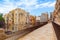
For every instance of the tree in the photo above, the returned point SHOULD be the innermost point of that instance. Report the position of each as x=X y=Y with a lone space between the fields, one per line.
x=2 y=22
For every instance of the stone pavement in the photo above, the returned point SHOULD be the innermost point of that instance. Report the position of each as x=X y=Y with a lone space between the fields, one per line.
x=21 y=33
x=45 y=32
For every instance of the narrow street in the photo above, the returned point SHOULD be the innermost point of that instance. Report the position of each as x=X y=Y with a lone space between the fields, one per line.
x=50 y=31
x=46 y=32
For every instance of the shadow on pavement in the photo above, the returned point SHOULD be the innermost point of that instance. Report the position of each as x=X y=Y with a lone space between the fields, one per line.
x=57 y=30
x=28 y=30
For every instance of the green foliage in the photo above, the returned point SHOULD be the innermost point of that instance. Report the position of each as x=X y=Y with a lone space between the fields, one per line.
x=1 y=18
x=2 y=22
x=1 y=14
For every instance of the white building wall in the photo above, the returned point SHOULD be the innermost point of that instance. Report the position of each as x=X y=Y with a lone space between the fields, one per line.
x=37 y=18
x=44 y=18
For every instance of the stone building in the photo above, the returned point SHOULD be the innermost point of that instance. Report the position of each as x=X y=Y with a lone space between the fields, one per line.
x=37 y=18
x=56 y=13
x=51 y=16
x=32 y=20
x=17 y=19
x=44 y=17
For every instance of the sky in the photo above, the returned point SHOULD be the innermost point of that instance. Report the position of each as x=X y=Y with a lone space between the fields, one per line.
x=34 y=7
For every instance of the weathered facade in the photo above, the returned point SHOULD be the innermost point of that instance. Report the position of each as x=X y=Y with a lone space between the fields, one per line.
x=56 y=13
x=44 y=17
x=17 y=19
x=37 y=18
x=32 y=20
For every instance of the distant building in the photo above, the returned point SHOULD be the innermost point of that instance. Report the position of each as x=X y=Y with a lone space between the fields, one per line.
x=44 y=17
x=51 y=16
x=38 y=18
x=32 y=20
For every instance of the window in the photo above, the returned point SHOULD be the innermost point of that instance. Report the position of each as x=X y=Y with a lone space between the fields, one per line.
x=21 y=14
x=12 y=28
x=59 y=9
x=59 y=3
x=57 y=0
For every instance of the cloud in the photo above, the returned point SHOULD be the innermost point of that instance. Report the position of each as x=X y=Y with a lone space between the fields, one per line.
x=47 y=4
x=29 y=5
x=8 y=5
x=52 y=4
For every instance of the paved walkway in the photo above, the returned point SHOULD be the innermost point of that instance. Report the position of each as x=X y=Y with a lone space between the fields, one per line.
x=43 y=33
x=22 y=33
